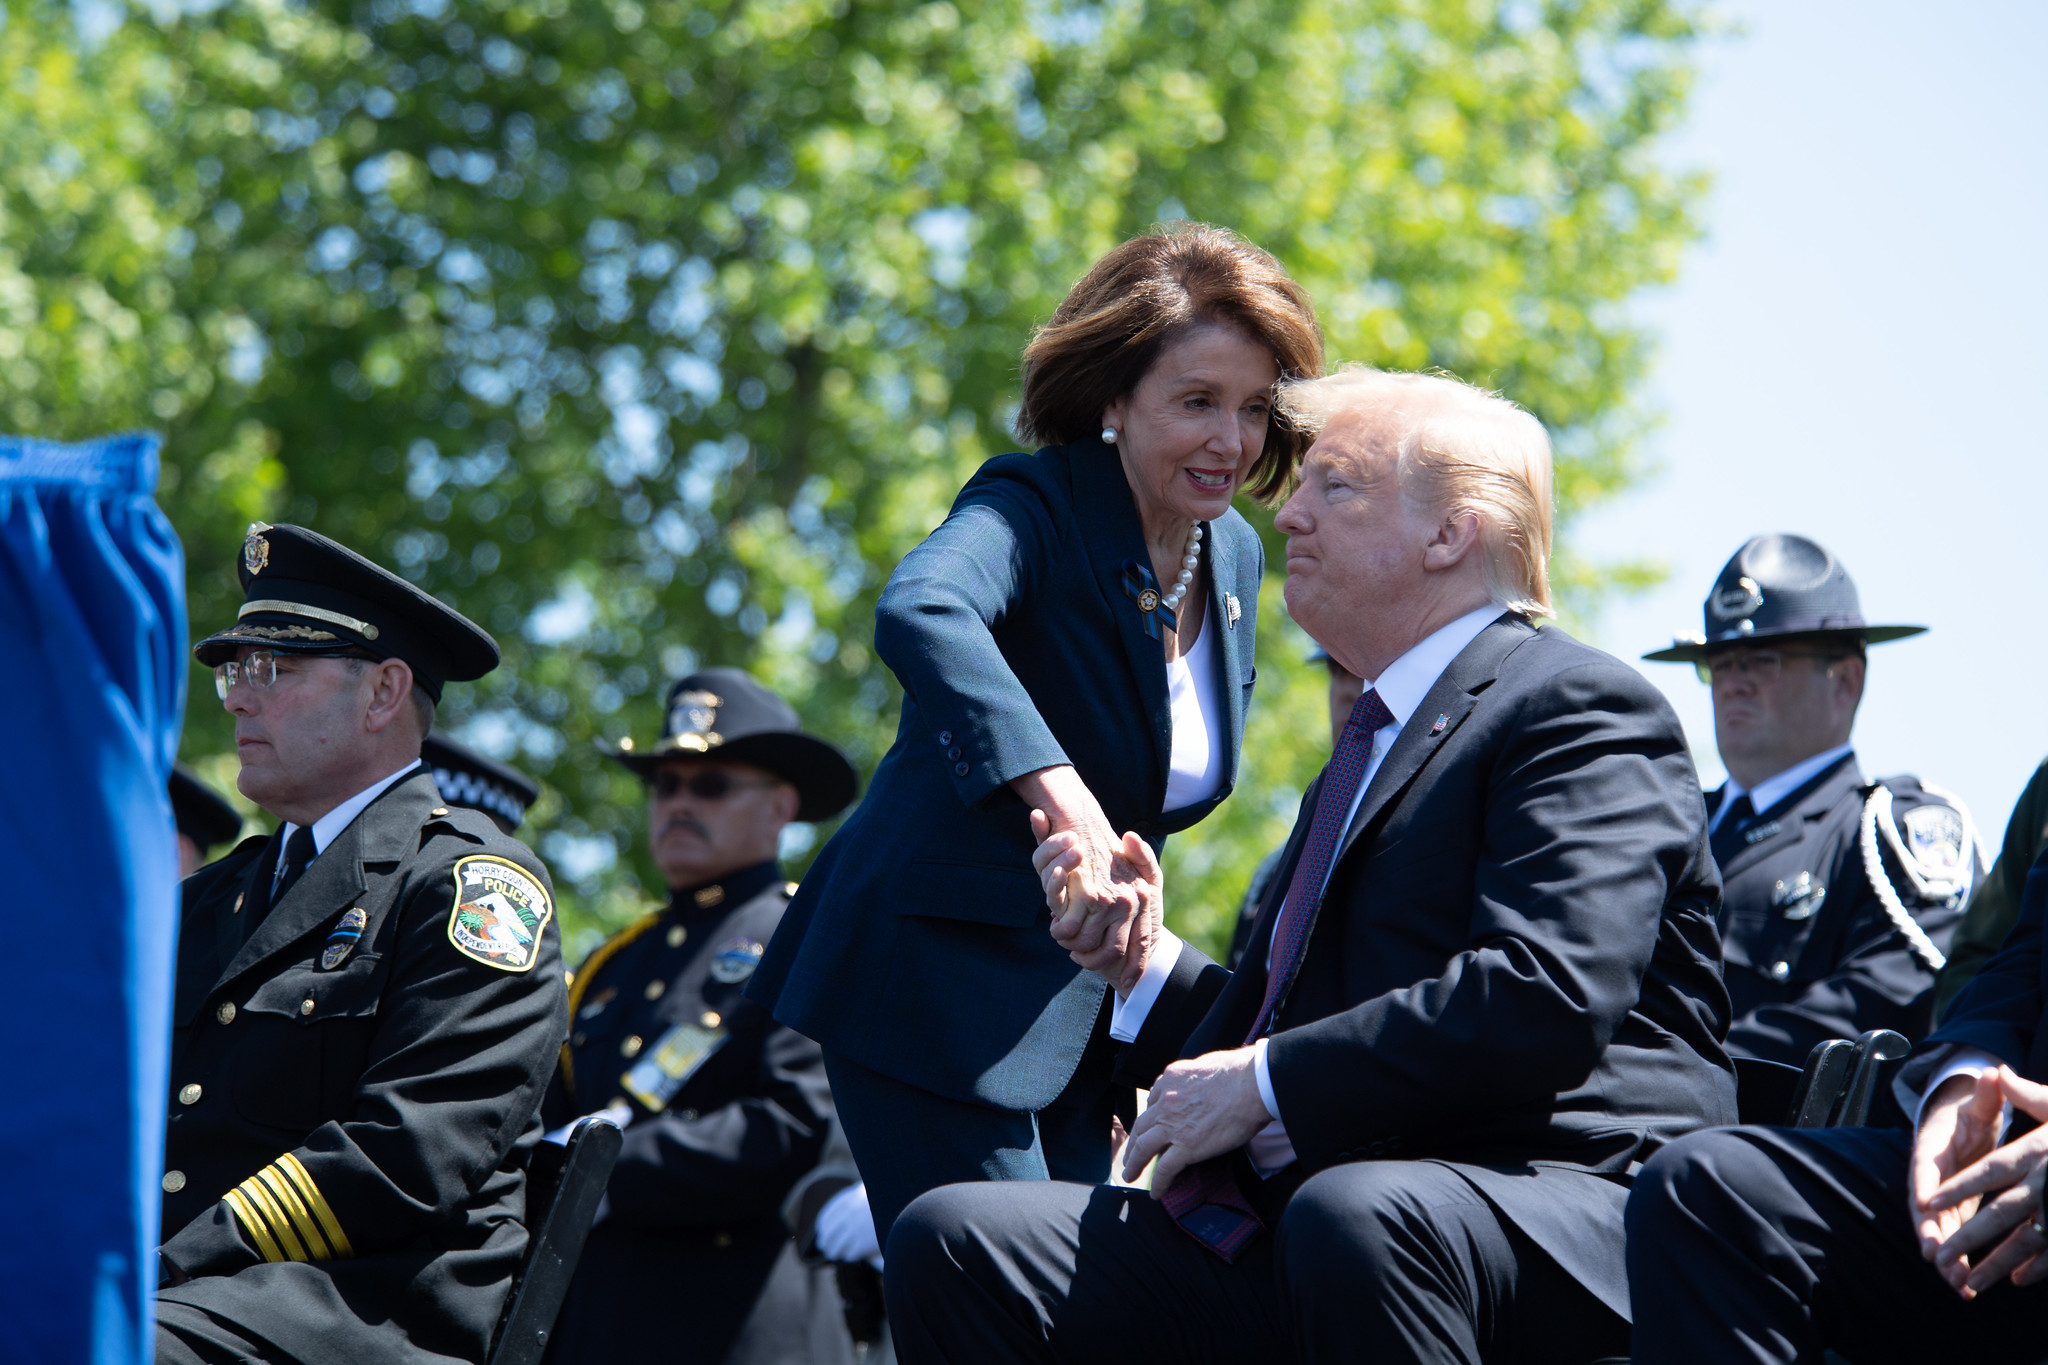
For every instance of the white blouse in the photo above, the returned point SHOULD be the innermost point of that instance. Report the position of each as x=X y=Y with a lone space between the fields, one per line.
x=1196 y=770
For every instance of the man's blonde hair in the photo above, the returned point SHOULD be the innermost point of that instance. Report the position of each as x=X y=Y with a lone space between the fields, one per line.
x=1460 y=449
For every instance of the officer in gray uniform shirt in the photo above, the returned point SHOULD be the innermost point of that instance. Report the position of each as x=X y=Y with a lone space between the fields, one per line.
x=1840 y=893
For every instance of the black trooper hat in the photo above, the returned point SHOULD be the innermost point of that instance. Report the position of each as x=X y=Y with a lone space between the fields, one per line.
x=1780 y=585
x=723 y=713
x=307 y=594
x=468 y=778
x=202 y=814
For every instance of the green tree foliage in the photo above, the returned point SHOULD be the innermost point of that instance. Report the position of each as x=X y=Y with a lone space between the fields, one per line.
x=652 y=335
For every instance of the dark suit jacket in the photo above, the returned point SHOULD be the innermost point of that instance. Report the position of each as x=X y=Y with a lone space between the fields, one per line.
x=1810 y=953
x=2005 y=1006
x=918 y=945
x=371 y=1111
x=1515 y=965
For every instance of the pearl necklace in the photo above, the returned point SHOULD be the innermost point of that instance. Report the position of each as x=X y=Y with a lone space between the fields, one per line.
x=1171 y=601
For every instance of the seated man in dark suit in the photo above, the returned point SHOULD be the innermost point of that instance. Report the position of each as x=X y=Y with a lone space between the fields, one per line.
x=1484 y=988
x=1902 y=1243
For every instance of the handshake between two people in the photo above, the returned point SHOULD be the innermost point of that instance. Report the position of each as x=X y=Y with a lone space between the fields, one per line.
x=1975 y=1204
x=1104 y=891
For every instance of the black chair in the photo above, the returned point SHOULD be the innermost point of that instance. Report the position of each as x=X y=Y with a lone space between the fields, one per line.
x=1834 y=1091
x=563 y=1185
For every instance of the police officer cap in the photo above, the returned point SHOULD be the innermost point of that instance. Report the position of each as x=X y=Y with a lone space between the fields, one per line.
x=311 y=595
x=202 y=814
x=1780 y=585
x=468 y=778
x=723 y=713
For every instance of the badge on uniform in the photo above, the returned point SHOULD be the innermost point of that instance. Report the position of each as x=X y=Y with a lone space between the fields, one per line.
x=499 y=913
x=736 y=961
x=342 y=941
x=667 y=1067
x=1799 y=898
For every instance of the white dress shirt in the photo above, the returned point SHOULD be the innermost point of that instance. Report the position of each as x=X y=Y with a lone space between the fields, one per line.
x=1772 y=790
x=329 y=826
x=1401 y=688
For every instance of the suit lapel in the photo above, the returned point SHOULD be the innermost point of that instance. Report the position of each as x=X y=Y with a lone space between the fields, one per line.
x=1108 y=517
x=1451 y=697
x=335 y=879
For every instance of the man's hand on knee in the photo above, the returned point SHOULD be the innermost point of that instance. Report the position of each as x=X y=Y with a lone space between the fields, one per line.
x=1198 y=1109
x=1998 y=1197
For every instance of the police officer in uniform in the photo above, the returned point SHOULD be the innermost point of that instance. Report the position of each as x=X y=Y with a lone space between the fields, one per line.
x=1839 y=893
x=724 y=1110
x=468 y=778
x=369 y=1002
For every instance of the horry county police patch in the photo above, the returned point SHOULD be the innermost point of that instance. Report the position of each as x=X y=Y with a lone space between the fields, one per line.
x=499 y=913
x=1934 y=836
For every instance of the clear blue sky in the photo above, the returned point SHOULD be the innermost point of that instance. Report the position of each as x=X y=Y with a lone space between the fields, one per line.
x=1858 y=352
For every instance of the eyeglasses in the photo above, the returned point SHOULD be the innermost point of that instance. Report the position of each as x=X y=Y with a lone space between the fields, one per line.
x=1758 y=665
x=259 y=668
x=709 y=784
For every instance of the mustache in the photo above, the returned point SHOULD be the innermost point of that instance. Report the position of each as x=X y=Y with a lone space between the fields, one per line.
x=676 y=822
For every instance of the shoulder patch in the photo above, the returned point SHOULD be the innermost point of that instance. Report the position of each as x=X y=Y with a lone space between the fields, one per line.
x=500 y=911
x=1935 y=840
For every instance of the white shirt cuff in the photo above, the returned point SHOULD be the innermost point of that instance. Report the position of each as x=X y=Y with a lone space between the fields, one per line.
x=1971 y=1062
x=1128 y=1015
x=1270 y=1149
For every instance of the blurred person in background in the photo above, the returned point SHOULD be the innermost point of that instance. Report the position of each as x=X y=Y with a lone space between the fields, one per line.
x=1995 y=905
x=1839 y=894
x=478 y=781
x=1344 y=691
x=369 y=1001
x=724 y=1109
x=204 y=817
x=1076 y=639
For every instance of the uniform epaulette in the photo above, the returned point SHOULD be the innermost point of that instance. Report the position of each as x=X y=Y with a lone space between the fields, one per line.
x=1937 y=854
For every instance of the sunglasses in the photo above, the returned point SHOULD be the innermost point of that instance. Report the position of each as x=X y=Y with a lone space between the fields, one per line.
x=708 y=785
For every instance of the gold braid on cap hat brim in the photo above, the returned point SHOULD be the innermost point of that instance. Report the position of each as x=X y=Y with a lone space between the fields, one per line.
x=332 y=618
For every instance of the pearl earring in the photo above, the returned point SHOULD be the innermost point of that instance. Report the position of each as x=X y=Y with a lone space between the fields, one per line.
x=1109 y=436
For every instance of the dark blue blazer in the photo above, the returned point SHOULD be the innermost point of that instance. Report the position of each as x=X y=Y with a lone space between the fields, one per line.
x=2004 y=1009
x=1515 y=965
x=917 y=945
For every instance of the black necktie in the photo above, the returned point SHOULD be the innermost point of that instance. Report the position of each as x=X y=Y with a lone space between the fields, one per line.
x=299 y=852
x=1728 y=834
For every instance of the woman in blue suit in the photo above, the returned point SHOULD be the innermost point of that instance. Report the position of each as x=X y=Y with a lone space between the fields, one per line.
x=1076 y=639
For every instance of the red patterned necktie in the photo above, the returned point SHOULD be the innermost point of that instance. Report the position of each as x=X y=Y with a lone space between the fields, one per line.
x=1205 y=1199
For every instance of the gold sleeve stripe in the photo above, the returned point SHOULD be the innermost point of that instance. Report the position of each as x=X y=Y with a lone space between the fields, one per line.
x=280 y=1226
x=302 y=1179
x=287 y=1198
x=587 y=973
x=253 y=1221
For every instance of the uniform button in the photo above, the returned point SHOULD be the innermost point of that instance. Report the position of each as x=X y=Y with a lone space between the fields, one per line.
x=655 y=988
x=945 y=736
x=577 y=1041
x=676 y=935
x=226 y=1012
x=953 y=752
x=631 y=1047
x=723 y=1239
x=190 y=1094
x=1781 y=971
x=686 y=1114
x=710 y=1019
x=173 y=1181
x=306 y=1005
x=960 y=770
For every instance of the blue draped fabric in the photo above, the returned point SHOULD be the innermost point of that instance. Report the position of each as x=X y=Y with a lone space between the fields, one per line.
x=92 y=696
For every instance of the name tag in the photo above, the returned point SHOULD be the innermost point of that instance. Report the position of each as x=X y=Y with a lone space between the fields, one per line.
x=667 y=1067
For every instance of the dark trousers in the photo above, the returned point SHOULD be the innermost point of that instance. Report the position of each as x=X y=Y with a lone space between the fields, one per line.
x=1377 y=1261
x=1769 y=1244
x=907 y=1140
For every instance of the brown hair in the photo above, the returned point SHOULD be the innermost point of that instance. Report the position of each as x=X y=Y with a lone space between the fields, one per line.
x=1142 y=297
